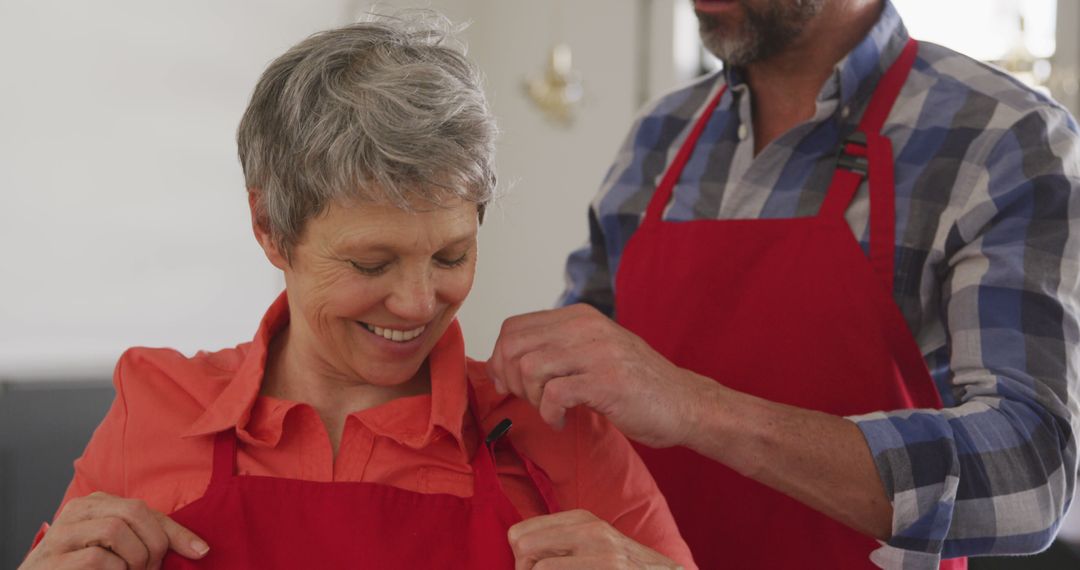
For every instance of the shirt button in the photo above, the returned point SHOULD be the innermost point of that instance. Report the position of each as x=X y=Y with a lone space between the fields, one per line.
x=845 y=112
x=742 y=131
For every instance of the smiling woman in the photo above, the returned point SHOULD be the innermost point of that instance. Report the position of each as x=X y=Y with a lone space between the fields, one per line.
x=350 y=432
x=372 y=288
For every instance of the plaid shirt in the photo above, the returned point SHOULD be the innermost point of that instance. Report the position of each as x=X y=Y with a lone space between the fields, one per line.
x=986 y=273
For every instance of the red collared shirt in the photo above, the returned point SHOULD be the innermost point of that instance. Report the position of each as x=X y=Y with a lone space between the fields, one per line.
x=156 y=441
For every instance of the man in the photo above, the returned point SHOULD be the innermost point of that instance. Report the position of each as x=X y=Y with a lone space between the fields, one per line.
x=843 y=276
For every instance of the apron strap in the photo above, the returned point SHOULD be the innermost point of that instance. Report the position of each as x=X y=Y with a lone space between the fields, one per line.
x=674 y=170
x=882 y=209
x=484 y=467
x=224 y=456
x=867 y=153
x=888 y=89
x=540 y=480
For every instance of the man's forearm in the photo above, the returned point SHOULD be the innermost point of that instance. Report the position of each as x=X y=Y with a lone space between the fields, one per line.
x=819 y=459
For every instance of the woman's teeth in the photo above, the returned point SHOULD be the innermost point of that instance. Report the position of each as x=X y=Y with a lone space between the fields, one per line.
x=396 y=335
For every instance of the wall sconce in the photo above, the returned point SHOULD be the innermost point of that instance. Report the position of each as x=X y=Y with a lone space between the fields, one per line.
x=559 y=91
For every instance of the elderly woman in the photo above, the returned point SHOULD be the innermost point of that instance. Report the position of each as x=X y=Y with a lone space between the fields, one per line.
x=352 y=431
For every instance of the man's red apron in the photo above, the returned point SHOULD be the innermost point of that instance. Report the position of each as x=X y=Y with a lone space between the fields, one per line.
x=790 y=310
x=269 y=522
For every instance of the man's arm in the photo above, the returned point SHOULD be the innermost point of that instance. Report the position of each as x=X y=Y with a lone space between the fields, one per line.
x=573 y=356
x=994 y=474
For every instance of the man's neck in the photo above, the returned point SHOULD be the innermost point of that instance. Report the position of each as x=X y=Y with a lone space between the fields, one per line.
x=785 y=86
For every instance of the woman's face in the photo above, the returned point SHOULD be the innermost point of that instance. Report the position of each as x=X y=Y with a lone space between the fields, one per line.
x=373 y=287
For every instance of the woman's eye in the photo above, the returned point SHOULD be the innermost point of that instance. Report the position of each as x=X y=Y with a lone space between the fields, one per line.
x=369 y=269
x=452 y=262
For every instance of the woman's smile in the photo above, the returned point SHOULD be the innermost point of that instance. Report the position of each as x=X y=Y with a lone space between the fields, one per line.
x=397 y=335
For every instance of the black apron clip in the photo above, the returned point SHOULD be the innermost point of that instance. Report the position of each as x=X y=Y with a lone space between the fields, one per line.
x=498 y=431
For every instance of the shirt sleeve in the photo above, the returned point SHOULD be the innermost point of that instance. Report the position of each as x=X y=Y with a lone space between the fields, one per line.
x=588 y=277
x=614 y=484
x=101 y=466
x=590 y=270
x=995 y=474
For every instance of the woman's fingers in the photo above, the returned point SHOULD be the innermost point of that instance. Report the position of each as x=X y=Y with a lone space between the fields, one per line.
x=578 y=539
x=157 y=532
x=112 y=534
x=582 y=563
x=99 y=506
x=94 y=557
x=549 y=536
x=182 y=540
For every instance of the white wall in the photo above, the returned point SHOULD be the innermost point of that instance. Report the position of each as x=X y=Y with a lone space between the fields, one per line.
x=549 y=172
x=122 y=214
x=122 y=209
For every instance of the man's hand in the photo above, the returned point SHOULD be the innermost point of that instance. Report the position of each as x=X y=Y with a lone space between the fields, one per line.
x=562 y=358
x=579 y=540
x=103 y=531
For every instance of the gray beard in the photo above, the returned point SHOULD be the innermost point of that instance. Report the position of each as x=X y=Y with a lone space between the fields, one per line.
x=761 y=34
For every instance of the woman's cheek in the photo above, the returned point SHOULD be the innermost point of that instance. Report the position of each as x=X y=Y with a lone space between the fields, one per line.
x=462 y=285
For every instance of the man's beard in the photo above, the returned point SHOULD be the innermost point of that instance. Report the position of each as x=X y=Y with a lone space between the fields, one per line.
x=761 y=34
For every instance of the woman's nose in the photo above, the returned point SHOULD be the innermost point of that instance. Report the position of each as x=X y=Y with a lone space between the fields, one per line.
x=413 y=298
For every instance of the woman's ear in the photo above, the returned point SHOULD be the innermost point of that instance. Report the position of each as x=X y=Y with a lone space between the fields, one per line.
x=262 y=233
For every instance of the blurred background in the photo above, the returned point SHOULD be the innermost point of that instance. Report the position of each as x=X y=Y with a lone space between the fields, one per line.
x=123 y=216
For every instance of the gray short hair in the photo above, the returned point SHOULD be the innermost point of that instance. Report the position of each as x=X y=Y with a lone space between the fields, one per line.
x=385 y=110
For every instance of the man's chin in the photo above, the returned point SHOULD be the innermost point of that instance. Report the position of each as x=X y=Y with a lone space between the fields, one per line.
x=733 y=52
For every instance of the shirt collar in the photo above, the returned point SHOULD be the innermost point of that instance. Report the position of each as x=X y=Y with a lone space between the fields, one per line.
x=417 y=421
x=855 y=76
x=232 y=407
x=414 y=421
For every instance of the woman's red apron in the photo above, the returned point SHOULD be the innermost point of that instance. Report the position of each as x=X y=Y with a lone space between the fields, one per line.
x=790 y=310
x=269 y=522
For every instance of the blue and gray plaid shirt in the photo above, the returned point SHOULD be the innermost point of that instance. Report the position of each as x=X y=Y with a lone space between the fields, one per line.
x=987 y=259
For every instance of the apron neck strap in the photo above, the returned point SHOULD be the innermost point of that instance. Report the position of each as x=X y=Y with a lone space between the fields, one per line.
x=888 y=89
x=484 y=472
x=867 y=153
x=224 y=455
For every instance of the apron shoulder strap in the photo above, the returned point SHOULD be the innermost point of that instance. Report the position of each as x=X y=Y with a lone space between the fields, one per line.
x=869 y=154
x=484 y=465
x=224 y=456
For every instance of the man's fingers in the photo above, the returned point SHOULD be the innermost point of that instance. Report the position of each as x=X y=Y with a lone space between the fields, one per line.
x=542 y=319
x=526 y=333
x=182 y=540
x=561 y=394
x=541 y=366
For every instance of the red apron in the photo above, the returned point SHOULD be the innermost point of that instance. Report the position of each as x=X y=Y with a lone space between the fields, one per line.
x=270 y=522
x=790 y=310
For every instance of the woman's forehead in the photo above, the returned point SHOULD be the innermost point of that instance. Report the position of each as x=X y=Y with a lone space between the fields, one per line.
x=385 y=226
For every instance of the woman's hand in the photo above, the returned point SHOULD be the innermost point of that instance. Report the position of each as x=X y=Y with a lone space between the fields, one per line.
x=579 y=540
x=103 y=531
